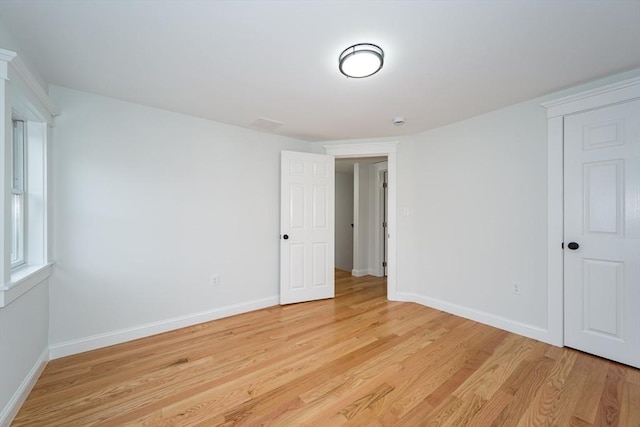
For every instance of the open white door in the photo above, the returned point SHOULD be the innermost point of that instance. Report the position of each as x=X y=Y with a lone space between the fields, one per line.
x=602 y=232
x=306 y=227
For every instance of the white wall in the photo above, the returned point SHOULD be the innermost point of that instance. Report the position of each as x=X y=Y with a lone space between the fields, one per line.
x=149 y=204
x=24 y=329
x=344 y=219
x=480 y=213
x=479 y=210
x=406 y=188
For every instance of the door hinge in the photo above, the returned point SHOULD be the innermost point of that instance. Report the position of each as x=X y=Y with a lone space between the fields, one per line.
x=384 y=263
x=384 y=185
x=384 y=225
x=562 y=245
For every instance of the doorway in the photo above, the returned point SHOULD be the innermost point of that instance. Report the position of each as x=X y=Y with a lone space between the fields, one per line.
x=379 y=149
x=361 y=215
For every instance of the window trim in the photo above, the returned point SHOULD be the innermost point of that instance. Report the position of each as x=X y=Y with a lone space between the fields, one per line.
x=22 y=97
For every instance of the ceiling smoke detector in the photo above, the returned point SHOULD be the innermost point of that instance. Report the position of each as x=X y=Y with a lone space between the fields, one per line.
x=398 y=121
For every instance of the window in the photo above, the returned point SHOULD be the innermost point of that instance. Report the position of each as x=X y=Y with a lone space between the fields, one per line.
x=23 y=181
x=18 y=187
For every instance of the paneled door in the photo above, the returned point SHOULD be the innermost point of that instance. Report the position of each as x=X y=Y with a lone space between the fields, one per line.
x=306 y=227
x=602 y=232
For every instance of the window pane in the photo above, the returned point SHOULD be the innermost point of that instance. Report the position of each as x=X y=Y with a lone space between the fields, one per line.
x=17 y=182
x=18 y=194
x=17 y=229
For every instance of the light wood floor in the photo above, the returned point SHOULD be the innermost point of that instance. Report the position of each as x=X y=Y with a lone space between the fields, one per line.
x=357 y=360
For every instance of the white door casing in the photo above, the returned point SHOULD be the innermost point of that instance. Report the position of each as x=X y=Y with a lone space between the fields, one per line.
x=557 y=109
x=306 y=227
x=379 y=241
x=385 y=210
x=376 y=149
x=602 y=218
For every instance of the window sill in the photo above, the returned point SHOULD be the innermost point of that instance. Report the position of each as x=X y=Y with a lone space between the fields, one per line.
x=23 y=280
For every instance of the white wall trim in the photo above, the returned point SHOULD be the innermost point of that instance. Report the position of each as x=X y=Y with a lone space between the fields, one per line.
x=365 y=149
x=22 y=281
x=359 y=273
x=34 y=86
x=556 y=110
x=529 y=331
x=365 y=272
x=6 y=56
x=80 y=345
x=377 y=205
x=594 y=98
x=27 y=78
x=13 y=405
x=374 y=149
x=356 y=221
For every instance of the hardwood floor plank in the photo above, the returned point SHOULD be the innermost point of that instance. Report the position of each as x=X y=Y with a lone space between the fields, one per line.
x=541 y=407
x=608 y=413
x=524 y=394
x=630 y=405
x=486 y=380
x=356 y=360
x=565 y=405
x=522 y=373
x=487 y=415
x=427 y=371
x=595 y=370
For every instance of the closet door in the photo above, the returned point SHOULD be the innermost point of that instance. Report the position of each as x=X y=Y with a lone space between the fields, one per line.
x=602 y=232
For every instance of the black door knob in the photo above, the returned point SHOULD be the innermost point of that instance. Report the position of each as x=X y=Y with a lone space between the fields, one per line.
x=573 y=246
x=285 y=237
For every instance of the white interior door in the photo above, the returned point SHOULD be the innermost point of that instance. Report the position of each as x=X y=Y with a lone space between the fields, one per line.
x=306 y=227
x=602 y=232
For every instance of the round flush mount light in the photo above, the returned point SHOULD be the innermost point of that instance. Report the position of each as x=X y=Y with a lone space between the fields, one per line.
x=361 y=60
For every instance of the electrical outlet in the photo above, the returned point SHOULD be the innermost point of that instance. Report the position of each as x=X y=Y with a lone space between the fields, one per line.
x=215 y=280
x=516 y=288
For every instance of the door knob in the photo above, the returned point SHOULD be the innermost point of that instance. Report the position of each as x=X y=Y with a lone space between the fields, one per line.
x=573 y=246
x=285 y=237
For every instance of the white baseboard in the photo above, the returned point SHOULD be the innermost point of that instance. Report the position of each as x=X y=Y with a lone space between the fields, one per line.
x=376 y=272
x=10 y=411
x=76 y=346
x=499 y=322
x=365 y=272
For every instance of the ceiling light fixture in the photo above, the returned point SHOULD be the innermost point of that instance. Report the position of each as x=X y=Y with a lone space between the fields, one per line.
x=361 y=60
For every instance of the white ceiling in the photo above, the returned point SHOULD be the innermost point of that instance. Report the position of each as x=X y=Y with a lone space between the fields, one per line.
x=235 y=61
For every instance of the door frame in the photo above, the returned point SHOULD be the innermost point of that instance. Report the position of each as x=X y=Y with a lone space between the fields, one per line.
x=378 y=216
x=622 y=91
x=378 y=149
